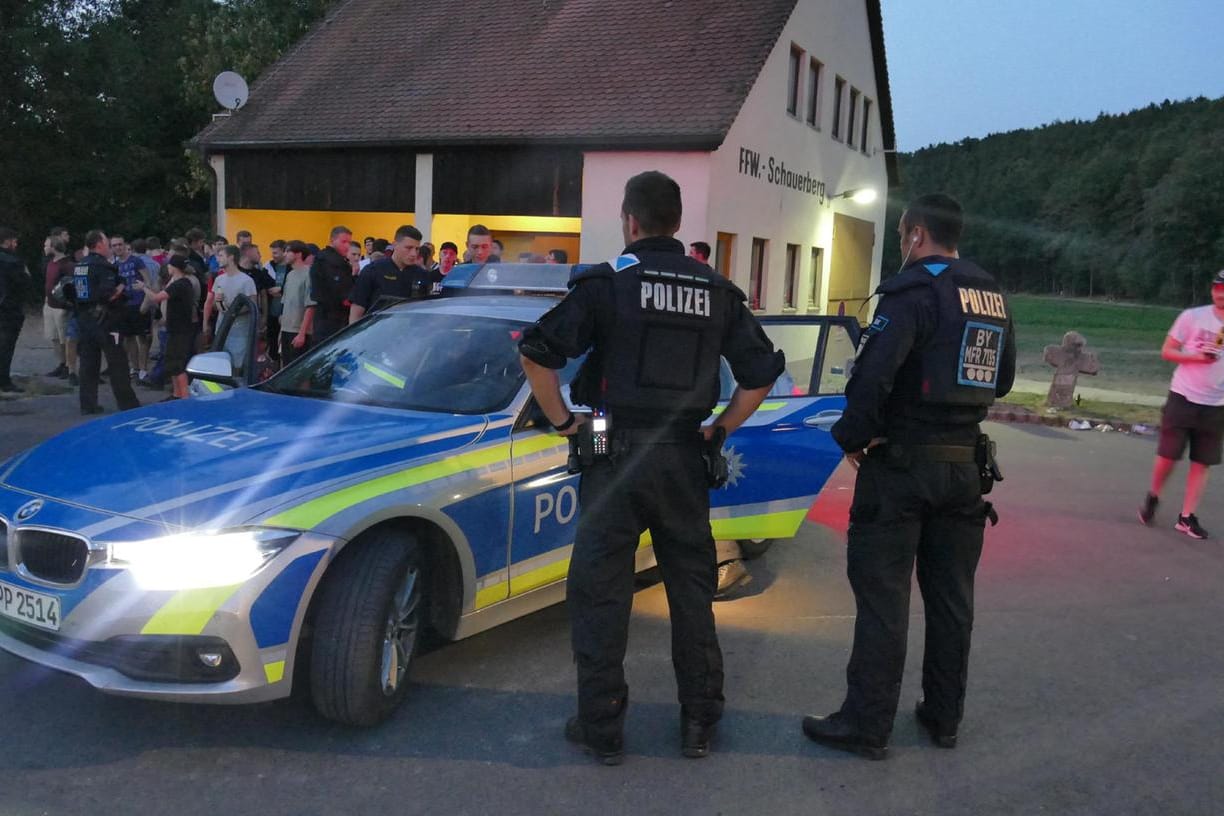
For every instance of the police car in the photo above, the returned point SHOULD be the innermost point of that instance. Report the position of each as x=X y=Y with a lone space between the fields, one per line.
x=310 y=529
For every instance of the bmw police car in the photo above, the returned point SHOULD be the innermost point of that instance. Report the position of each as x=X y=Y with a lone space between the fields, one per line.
x=309 y=528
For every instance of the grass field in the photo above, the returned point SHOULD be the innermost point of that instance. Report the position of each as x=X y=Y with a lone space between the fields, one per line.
x=1127 y=340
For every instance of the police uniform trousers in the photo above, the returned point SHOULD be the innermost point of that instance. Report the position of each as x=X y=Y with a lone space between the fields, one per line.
x=93 y=342
x=661 y=488
x=10 y=330
x=902 y=512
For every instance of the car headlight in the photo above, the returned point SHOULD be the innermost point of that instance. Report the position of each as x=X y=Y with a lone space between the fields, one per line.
x=199 y=559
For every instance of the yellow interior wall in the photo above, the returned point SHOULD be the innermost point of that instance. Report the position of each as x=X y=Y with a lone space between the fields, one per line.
x=312 y=226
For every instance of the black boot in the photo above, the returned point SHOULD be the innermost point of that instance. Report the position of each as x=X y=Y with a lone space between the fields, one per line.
x=608 y=751
x=834 y=732
x=695 y=736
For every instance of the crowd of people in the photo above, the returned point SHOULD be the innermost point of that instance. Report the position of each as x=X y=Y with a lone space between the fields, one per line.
x=162 y=302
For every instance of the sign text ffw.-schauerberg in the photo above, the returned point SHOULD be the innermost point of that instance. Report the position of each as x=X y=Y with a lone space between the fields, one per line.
x=776 y=172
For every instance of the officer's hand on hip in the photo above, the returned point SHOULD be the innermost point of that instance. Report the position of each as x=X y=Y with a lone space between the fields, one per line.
x=578 y=421
x=856 y=458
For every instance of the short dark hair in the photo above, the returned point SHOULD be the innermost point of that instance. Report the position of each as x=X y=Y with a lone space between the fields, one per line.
x=449 y=245
x=8 y=234
x=702 y=248
x=220 y=239
x=559 y=255
x=241 y=233
x=140 y=246
x=56 y=230
x=194 y=235
x=653 y=198
x=478 y=229
x=299 y=247
x=153 y=242
x=179 y=248
x=338 y=231
x=277 y=244
x=93 y=238
x=369 y=238
x=232 y=251
x=407 y=231
x=940 y=215
x=499 y=243
x=58 y=244
x=380 y=245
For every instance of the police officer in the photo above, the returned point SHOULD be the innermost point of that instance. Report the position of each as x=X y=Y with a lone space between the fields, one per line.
x=655 y=323
x=98 y=301
x=397 y=275
x=938 y=352
x=14 y=283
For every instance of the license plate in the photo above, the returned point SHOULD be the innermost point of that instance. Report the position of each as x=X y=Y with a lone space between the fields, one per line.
x=29 y=607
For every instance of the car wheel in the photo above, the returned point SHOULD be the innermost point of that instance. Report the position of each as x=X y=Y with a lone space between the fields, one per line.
x=368 y=626
x=752 y=548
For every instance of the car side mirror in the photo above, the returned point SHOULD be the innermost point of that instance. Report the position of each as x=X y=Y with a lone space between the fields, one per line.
x=213 y=366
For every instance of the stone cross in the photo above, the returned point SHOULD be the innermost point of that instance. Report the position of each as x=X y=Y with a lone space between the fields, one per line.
x=1070 y=360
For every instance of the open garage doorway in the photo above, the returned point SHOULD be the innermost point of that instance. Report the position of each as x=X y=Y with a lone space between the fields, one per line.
x=850 y=267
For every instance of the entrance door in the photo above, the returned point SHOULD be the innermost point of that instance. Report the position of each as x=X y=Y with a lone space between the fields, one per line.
x=850 y=267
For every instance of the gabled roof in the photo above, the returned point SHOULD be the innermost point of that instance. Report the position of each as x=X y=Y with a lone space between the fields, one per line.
x=589 y=73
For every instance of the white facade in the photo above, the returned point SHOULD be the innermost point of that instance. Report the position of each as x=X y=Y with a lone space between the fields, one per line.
x=730 y=190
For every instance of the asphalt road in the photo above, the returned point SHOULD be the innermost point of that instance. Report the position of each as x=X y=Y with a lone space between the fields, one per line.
x=1095 y=688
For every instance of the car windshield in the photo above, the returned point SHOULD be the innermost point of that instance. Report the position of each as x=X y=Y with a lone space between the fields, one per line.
x=423 y=361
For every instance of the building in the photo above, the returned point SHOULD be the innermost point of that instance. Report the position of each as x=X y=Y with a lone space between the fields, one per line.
x=529 y=117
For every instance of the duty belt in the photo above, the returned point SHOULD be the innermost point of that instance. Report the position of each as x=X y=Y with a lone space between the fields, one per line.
x=953 y=454
x=655 y=436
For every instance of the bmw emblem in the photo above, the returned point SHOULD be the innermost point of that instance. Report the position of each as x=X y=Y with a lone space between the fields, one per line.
x=29 y=510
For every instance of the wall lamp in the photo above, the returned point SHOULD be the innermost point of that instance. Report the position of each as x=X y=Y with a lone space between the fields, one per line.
x=860 y=195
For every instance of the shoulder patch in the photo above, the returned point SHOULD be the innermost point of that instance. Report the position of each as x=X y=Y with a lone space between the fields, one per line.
x=878 y=325
x=582 y=272
x=623 y=262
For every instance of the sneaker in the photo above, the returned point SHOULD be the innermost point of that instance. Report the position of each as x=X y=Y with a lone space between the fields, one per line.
x=1190 y=526
x=731 y=574
x=1148 y=511
x=59 y=372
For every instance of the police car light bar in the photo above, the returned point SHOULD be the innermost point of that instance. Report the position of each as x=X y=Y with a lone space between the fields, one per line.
x=527 y=278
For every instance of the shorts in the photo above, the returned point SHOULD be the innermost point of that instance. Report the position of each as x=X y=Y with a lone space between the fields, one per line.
x=135 y=323
x=1184 y=422
x=72 y=330
x=178 y=350
x=55 y=324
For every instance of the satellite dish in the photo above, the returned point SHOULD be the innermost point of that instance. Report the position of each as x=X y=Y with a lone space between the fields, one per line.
x=230 y=89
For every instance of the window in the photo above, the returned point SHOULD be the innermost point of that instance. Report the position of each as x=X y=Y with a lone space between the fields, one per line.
x=817 y=276
x=813 y=111
x=792 y=276
x=866 y=124
x=852 y=118
x=800 y=343
x=839 y=93
x=756 y=278
x=724 y=251
x=838 y=361
x=792 y=81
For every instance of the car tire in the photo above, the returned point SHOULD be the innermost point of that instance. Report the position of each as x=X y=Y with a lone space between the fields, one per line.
x=370 y=616
x=751 y=548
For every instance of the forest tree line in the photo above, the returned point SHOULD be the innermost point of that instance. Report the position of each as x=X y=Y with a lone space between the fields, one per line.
x=1127 y=206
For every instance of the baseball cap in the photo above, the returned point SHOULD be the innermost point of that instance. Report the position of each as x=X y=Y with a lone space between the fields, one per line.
x=178 y=262
x=1219 y=279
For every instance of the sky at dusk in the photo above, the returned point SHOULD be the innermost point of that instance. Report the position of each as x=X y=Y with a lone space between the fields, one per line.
x=960 y=68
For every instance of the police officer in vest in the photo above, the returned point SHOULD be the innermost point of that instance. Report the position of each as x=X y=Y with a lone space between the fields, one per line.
x=98 y=301
x=938 y=352
x=655 y=323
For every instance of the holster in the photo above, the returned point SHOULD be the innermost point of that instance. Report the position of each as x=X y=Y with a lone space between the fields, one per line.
x=988 y=466
x=581 y=450
x=717 y=469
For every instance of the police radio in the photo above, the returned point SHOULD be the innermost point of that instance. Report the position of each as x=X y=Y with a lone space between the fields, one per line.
x=599 y=435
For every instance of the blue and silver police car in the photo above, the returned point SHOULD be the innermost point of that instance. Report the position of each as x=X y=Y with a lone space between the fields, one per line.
x=310 y=528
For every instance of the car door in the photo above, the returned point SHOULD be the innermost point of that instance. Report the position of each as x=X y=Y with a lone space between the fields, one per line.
x=780 y=459
x=237 y=336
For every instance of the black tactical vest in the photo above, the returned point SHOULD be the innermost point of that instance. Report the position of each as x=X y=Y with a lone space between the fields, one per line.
x=960 y=364
x=662 y=353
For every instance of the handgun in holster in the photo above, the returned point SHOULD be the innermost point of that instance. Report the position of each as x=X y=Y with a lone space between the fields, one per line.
x=988 y=465
x=717 y=469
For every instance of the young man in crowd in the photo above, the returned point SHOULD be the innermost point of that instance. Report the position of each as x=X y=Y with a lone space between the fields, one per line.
x=397 y=276
x=214 y=257
x=178 y=303
x=557 y=256
x=56 y=309
x=135 y=327
x=331 y=280
x=153 y=283
x=448 y=256
x=498 y=250
x=354 y=258
x=1193 y=416
x=700 y=250
x=278 y=269
x=14 y=283
x=479 y=244
x=297 y=308
x=243 y=238
x=226 y=288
